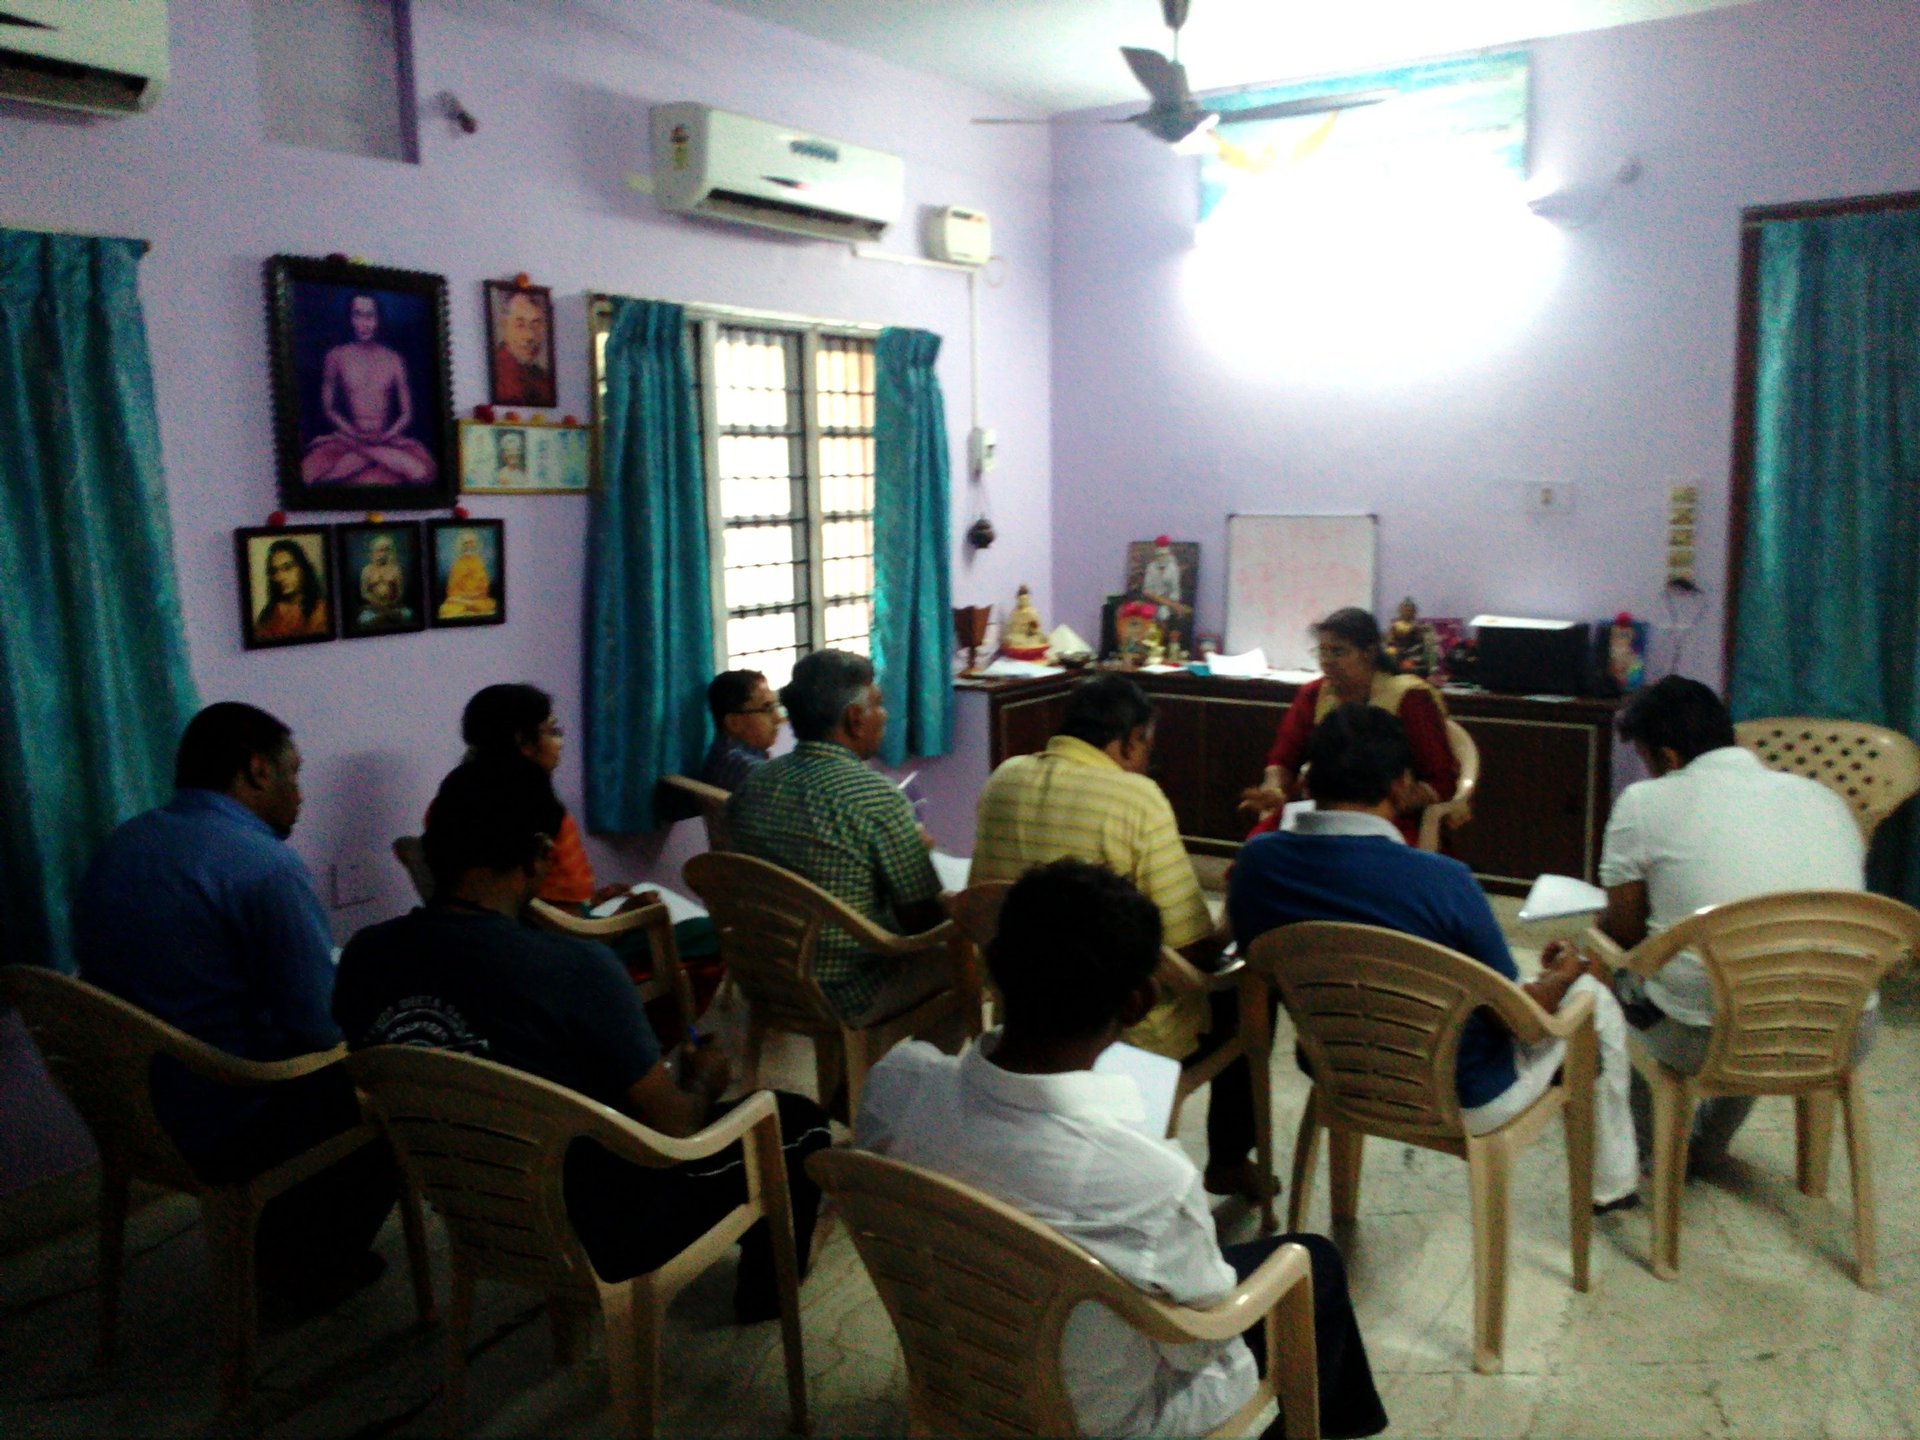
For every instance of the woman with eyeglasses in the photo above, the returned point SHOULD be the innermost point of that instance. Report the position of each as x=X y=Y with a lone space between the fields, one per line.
x=1353 y=670
x=518 y=720
x=746 y=722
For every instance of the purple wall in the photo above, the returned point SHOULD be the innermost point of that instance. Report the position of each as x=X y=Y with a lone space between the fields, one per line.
x=562 y=95
x=1169 y=414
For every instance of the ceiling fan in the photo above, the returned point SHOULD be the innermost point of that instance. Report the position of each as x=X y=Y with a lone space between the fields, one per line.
x=1177 y=118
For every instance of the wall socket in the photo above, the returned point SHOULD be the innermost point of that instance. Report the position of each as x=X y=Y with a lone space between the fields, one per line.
x=1546 y=497
x=352 y=885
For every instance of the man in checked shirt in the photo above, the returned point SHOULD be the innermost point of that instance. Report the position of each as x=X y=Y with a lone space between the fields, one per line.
x=821 y=813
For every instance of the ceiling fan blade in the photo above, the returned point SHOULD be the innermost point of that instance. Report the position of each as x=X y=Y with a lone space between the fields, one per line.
x=1310 y=105
x=1165 y=81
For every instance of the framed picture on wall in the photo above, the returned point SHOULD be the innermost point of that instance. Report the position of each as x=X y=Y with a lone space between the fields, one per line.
x=286 y=585
x=382 y=585
x=467 y=572
x=362 y=386
x=520 y=345
x=501 y=458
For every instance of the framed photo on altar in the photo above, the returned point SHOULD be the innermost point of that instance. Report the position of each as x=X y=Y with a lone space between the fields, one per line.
x=506 y=458
x=520 y=345
x=362 y=386
x=1166 y=572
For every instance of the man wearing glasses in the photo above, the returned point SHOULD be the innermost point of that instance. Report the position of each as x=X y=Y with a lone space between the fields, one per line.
x=746 y=722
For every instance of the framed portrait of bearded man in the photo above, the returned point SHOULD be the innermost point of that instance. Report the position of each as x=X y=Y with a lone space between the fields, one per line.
x=362 y=386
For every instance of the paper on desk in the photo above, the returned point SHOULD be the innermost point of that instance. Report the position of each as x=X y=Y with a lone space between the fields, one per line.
x=1018 y=669
x=679 y=907
x=1156 y=1076
x=1554 y=897
x=1252 y=663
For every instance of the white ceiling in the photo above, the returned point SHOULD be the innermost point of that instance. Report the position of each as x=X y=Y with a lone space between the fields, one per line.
x=1055 y=55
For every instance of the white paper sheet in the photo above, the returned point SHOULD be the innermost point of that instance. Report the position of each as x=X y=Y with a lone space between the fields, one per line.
x=1156 y=1076
x=1554 y=897
x=1252 y=663
x=952 y=869
x=679 y=907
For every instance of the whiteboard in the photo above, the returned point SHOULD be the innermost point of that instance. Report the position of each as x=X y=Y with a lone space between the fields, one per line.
x=1286 y=571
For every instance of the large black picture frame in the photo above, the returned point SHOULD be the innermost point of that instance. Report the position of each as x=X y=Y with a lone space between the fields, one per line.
x=392 y=386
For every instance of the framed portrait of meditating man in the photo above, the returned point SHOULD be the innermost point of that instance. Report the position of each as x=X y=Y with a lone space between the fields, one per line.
x=362 y=386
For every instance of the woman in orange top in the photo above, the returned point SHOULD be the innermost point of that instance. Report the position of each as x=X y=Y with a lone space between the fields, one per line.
x=518 y=720
x=1353 y=671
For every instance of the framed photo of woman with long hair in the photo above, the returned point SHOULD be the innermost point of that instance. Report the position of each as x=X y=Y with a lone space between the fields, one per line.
x=284 y=580
x=362 y=386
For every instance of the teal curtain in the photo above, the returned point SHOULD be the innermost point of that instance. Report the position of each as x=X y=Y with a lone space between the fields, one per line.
x=94 y=684
x=649 y=602
x=1829 y=611
x=912 y=582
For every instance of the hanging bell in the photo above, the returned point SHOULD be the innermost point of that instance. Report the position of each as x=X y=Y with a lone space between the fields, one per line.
x=980 y=533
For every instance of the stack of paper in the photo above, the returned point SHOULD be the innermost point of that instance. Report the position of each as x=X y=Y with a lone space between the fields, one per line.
x=679 y=907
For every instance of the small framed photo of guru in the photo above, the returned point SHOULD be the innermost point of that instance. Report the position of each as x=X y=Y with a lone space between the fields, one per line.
x=382 y=581
x=286 y=585
x=467 y=571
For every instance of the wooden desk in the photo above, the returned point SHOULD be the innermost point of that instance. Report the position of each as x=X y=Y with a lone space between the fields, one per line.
x=1546 y=766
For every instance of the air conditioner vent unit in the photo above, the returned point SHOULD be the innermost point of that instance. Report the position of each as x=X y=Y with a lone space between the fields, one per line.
x=751 y=172
x=108 y=56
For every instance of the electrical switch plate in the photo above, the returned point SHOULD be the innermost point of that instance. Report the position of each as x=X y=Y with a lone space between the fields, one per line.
x=983 y=445
x=1546 y=497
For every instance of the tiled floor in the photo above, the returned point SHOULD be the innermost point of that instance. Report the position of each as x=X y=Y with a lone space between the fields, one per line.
x=1765 y=1332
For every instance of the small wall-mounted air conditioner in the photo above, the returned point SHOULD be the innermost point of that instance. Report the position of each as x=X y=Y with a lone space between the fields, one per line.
x=709 y=162
x=104 y=55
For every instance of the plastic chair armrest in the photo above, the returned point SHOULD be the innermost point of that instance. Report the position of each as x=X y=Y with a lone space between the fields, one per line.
x=210 y=1064
x=630 y=1140
x=1176 y=975
x=1575 y=1013
x=1245 y=1306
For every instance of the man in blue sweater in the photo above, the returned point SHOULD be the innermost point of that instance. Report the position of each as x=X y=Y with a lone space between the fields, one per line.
x=1347 y=861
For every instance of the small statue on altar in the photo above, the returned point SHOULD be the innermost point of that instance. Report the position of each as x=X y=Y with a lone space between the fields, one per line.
x=1409 y=646
x=1025 y=637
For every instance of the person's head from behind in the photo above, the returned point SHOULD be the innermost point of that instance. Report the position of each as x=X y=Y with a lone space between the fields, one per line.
x=743 y=706
x=1075 y=955
x=244 y=753
x=832 y=696
x=1358 y=758
x=492 y=824
x=1348 y=643
x=1674 y=723
x=510 y=720
x=1111 y=713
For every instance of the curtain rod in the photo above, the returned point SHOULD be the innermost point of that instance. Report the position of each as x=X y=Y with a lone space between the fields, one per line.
x=778 y=317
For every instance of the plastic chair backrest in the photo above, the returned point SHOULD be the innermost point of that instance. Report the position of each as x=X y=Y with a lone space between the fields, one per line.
x=1379 y=1014
x=711 y=803
x=979 y=1294
x=100 y=1049
x=486 y=1146
x=1790 y=975
x=1872 y=768
x=769 y=922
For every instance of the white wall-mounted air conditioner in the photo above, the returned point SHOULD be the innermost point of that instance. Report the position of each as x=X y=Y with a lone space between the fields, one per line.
x=104 y=55
x=710 y=162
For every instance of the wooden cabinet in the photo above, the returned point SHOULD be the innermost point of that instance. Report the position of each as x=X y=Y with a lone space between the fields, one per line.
x=1546 y=766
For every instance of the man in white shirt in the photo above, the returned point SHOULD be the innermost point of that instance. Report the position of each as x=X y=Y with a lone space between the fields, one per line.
x=1022 y=1116
x=1712 y=826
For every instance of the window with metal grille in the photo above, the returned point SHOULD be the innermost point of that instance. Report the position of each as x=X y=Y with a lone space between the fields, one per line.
x=786 y=417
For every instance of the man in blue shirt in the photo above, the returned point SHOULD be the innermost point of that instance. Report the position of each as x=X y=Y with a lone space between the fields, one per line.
x=1347 y=861
x=746 y=722
x=200 y=914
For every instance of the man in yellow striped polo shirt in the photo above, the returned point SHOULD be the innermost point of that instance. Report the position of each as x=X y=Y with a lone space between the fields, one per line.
x=1087 y=797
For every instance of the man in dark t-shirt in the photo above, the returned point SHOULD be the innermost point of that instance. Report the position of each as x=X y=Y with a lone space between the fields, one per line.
x=466 y=974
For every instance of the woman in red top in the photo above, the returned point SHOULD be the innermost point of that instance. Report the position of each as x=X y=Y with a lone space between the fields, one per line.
x=1352 y=672
x=518 y=719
